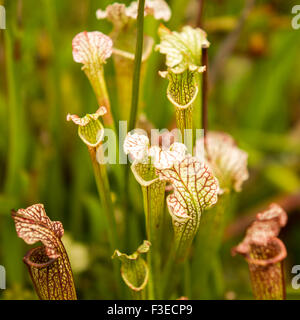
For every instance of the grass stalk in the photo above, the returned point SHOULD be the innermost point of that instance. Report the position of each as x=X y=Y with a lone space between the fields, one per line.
x=137 y=65
x=104 y=193
x=103 y=187
x=135 y=99
x=150 y=287
x=154 y=202
x=15 y=156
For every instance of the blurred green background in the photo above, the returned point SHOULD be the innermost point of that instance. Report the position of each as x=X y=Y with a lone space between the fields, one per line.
x=254 y=62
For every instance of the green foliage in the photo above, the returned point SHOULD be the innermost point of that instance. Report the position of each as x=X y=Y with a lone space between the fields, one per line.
x=255 y=98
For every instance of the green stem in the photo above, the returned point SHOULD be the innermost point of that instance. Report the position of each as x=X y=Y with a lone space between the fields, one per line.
x=154 y=196
x=99 y=86
x=198 y=111
x=208 y=242
x=150 y=286
x=15 y=155
x=104 y=193
x=53 y=97
x=137 y=65
x=98 y=83
x=106 y=201
x=16 y=136
x=204 y=83
x=135 y=98
x=184 y=120
x=154 y=203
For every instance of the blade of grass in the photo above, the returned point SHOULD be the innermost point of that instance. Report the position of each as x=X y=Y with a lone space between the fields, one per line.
x=135 y=99
x=134 y=108
x=137 y=65
x=16 y=154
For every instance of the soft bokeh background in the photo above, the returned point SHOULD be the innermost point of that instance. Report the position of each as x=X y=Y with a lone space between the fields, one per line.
x=255 y=96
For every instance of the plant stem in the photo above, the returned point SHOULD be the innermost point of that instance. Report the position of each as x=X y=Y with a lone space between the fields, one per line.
x=99 y=85
x=104 y=193
x=205 y=93
x=150 y=286
x=137 y=65
x=15 y=121
x=154 y=202
x=15 y=155
x=135 y=98
x=106 y=201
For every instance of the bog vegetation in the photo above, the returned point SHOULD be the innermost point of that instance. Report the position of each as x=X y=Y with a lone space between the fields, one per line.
x=167 y=224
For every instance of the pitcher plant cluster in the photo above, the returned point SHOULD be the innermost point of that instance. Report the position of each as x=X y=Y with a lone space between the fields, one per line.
x=187 y=183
